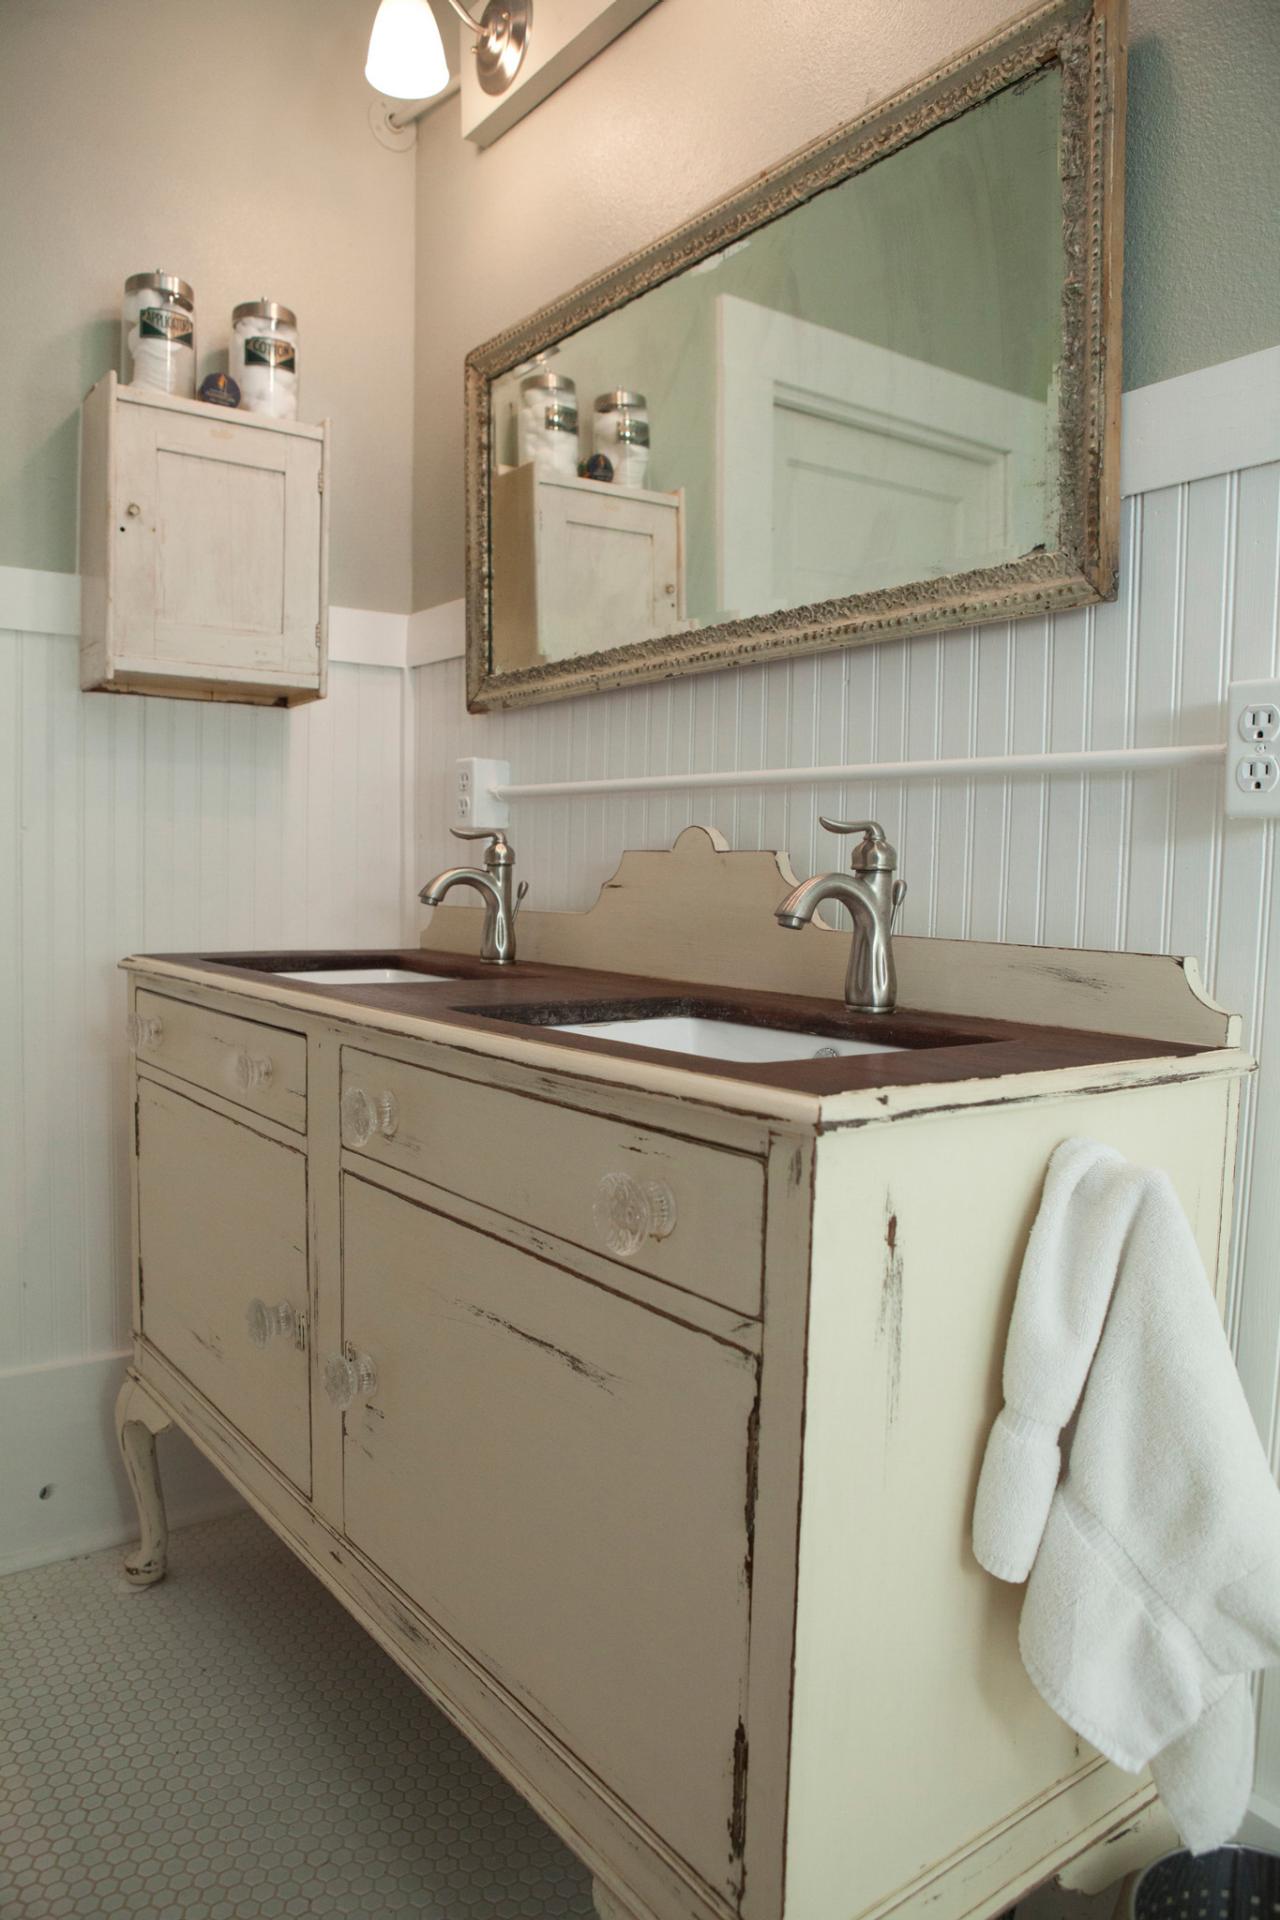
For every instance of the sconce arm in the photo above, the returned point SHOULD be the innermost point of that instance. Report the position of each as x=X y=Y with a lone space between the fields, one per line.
x=466 y=18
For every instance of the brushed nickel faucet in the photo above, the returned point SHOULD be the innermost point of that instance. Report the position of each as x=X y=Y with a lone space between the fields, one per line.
x=873 y=898
x=495 y=883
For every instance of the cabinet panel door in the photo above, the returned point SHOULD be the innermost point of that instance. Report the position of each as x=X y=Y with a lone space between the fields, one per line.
x=218 y=543
x=222 y=1221
x=562 y=1480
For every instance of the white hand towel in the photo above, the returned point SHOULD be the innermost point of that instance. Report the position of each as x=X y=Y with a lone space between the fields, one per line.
x=1155 y=1564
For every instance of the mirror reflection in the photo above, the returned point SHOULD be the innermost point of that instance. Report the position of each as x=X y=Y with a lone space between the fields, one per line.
x=860 y=395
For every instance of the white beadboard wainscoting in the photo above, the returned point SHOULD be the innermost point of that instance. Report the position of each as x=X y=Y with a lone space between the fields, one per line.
x=126 y=825
x=1137 y=861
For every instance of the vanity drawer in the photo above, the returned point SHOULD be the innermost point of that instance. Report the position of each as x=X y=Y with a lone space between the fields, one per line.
x=686 y=1213
x=259 y=1067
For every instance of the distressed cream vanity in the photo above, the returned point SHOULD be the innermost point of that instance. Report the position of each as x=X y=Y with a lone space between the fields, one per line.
x=634 y=1401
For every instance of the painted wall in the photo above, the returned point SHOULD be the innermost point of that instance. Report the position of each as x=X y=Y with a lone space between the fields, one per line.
x=678 y=112
x=131 y=825
x=1202 y=210
x=231 y=145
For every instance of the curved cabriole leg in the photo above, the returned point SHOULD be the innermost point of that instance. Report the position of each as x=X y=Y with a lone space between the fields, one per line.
x=138 y=1421
x=607 y=1904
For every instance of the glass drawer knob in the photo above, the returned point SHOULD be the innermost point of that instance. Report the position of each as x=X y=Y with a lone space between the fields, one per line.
x=144 y=1030
x=250 y=1070
x=347 y=1374
x=365 y=1114
x=627 y=1212
x=264 y=1321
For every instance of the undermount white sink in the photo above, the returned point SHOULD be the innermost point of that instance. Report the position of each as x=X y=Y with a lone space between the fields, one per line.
x=723 y=1039
x=365 y=976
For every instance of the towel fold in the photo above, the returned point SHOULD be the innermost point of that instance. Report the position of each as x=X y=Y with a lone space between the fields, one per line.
x=1154 y=1565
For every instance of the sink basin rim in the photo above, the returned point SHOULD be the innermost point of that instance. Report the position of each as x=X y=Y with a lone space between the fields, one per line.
x=364 y=976
x=722 y=1039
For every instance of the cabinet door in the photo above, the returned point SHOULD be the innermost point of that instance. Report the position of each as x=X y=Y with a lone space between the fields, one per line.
x=222 y=1223
x=217 y=542
x=562 y=1480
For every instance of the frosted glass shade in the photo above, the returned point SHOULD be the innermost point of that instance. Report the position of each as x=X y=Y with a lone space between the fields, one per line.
x=406 y=54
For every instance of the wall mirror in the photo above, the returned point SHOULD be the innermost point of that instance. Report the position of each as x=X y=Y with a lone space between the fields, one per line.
x=874 y=392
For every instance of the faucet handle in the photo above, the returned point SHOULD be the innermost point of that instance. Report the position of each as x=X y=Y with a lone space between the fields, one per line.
x=872 y=827
x=498 y=853
x=875 y=853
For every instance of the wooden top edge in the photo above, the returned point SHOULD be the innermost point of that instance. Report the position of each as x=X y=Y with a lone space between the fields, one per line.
x=203 y=409
x=932 y=1062
x=746 y=1098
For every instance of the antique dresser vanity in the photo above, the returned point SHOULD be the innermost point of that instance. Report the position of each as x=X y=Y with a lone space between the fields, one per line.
x=634 y=1400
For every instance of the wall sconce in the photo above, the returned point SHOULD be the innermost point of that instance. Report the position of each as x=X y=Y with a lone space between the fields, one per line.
x=406 y=57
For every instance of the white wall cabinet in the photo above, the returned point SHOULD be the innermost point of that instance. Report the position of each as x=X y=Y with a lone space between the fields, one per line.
x=203 y=550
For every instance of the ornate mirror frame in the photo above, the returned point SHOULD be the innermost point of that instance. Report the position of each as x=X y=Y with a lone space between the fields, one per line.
x=1086 y=39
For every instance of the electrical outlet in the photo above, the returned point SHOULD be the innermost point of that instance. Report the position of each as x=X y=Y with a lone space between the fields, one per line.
x=1257 y=773
x=474 y=802
x=1253 y=749
x=1259 y=722
x=1259 y=725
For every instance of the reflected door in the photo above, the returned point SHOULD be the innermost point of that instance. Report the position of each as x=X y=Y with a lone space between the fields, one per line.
x=846 y=468
x=857 y=505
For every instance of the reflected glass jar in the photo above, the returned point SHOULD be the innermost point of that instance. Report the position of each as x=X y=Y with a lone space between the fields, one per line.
x=631 y=463
x=620 y=431
x=547 y=427
x=158 y=334
x=264 y=358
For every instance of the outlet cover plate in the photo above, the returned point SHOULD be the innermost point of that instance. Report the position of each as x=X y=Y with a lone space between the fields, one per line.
x=1253 y=750
x=474 y=803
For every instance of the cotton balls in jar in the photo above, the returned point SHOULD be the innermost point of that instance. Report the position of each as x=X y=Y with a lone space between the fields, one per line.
x=264 y=358
x=158 y=334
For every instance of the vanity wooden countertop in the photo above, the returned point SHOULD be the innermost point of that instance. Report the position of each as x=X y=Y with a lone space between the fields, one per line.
x=507 y=1010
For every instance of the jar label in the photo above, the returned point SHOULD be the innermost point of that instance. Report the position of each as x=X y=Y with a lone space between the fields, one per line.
x=266 y=350
x=164 y=323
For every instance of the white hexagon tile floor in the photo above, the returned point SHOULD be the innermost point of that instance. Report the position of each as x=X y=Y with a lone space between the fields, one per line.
x=230 y=1745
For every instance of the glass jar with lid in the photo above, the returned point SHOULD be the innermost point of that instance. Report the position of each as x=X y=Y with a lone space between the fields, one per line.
x=547 y=428
x=264 y=358
x=620 y=431
x=631 y=464
x=158 y=334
